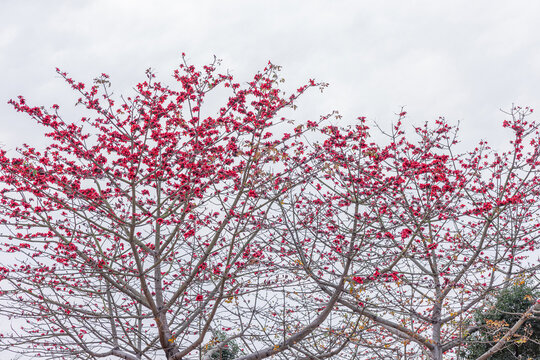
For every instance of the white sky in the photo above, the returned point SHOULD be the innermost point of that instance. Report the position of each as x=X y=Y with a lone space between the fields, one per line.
x=460 y=59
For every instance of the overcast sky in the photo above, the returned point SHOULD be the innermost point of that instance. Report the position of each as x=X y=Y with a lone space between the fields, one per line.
x=460 y=59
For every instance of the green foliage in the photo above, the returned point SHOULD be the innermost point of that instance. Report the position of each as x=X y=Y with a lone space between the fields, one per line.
x=228 y=352
x=494 y=323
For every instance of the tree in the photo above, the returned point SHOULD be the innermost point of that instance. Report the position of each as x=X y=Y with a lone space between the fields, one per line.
x=422 y=233
x=139 y=232
x=151 y=229
x=228 y=351
x=509 y=321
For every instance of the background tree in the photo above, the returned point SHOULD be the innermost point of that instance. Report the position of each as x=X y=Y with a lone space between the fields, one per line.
x=499 y=318
x=422 y=233
x=139 y=232
x=219 y=349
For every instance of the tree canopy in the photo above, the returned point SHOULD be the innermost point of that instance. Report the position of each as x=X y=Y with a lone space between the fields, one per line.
x=159 y=227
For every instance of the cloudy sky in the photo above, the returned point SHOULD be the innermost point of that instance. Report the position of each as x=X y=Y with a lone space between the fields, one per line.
x=460 y=59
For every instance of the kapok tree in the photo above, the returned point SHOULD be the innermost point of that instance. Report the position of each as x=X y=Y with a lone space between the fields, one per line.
x=136 y=233
x=422 y=232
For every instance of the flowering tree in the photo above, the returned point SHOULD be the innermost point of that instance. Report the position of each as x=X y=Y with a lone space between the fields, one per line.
x=140 y=230
x=422 y=234
x=152 y=229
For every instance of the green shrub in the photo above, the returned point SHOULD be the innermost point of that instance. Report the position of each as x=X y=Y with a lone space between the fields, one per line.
x=228 y=352
x=494 y=323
